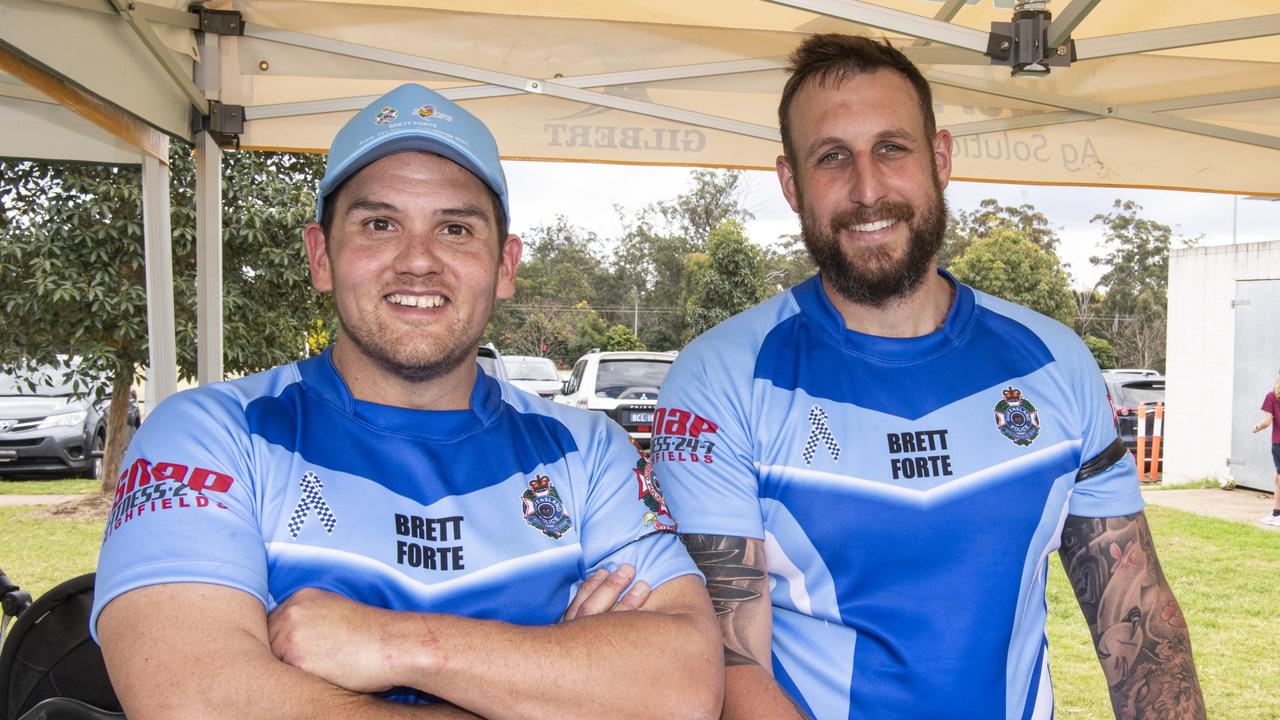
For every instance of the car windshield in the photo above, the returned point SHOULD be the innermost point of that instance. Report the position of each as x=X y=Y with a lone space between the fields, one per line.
x=531 y=369
x=1133 y=394
x=630 y=379
x=49 y=381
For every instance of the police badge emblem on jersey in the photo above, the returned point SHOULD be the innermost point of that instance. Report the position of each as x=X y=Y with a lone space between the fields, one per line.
x=543 y=509
x=1016 y=418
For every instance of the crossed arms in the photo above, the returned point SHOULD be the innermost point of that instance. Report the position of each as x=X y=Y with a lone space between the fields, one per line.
x=1137 y=625
x=207 y=651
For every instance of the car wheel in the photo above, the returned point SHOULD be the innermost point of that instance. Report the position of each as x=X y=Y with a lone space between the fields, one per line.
x=99 y=445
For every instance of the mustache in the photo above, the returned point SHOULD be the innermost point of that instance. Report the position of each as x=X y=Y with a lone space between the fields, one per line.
x=883 y=210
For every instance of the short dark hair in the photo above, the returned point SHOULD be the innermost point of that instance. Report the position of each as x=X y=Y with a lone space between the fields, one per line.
x=326 y=214
x=832 y=57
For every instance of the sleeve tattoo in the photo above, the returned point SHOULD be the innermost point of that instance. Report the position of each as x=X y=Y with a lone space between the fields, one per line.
x=738 y=586
x=1136 y=623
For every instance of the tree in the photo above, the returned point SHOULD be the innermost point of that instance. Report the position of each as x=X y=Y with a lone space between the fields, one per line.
x=1007 y=266
x=788 y=264
x=1103 y=353
x=620 y=337
x=72 y=281
x=990 y=217
x=731 y=281
x=716 y=196
x=1133 y=312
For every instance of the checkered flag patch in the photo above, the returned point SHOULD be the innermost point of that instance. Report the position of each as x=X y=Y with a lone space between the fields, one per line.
x=311 y=500
x=819 y=432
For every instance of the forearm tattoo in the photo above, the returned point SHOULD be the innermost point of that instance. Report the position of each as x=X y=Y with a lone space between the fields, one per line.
x=1136 y=623
x=738 y=586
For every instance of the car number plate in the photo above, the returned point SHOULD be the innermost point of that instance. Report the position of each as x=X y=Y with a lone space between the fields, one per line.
x=641 y=417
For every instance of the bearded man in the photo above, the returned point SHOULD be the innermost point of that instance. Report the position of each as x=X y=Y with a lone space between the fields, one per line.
x=872 y=468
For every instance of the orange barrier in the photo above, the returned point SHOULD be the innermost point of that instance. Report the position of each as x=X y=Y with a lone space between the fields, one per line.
x=1149 y=466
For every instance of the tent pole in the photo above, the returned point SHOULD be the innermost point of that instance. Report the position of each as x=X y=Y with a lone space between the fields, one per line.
x=208 y=259
x=162 y=376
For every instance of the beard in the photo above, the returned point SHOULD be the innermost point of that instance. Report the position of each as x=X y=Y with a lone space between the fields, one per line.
x=413 y=362
x=874 y=276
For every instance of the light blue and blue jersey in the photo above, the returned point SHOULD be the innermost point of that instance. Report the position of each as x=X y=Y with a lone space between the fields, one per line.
x=908 y=492
x=283 y=480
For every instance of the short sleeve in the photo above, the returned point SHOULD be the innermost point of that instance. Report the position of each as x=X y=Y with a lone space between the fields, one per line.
x=626 y=519
x=1269 y=404
x=1113 y=491
x=702 y=444
x=184 y=509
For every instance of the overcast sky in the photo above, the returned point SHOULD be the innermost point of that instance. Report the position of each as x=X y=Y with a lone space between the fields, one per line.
x=586 y=194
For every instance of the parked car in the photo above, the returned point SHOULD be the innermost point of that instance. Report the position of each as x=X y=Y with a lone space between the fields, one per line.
x=623 y=385
x=1127 y=389
x=50 y=427
x=491 y=361
x=533 y=374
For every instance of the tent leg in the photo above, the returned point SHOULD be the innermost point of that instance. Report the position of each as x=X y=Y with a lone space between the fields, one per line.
x=208 y=259
x=162 y=376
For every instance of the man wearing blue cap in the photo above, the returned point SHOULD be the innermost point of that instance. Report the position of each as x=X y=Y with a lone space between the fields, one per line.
x=383 y=531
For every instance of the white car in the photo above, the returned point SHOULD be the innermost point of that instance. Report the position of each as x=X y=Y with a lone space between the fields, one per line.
x=533 y=374
x=623 y=385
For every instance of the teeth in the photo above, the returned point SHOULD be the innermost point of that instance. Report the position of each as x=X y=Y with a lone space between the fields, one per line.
x=873 y=226
x=421 y=301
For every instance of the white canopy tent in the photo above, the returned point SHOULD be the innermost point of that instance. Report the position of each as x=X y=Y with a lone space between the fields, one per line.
x=1179 y=94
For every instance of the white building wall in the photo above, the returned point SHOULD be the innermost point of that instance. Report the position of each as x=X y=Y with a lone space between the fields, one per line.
x=1201 y=353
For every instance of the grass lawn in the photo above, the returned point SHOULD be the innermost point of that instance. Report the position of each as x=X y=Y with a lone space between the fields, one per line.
x=75 y=486
x=1226 y=576
x=1227 y=579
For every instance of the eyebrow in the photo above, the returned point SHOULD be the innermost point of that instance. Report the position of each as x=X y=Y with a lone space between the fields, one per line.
x=370 y=205
x=462 y=212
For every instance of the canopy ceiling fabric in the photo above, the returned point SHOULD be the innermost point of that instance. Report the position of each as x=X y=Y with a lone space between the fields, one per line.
x=1156 y=100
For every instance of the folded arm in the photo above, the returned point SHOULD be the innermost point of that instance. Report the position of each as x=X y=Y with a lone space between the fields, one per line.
x=738 y=584
x=201 y=651
x=659 y=661
x=1136 y=623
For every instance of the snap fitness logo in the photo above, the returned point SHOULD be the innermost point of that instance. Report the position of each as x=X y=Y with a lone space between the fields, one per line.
x=683 y=436
x=147 y=487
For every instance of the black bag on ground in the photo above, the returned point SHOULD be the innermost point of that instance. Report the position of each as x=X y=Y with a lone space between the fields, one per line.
x=49 y=654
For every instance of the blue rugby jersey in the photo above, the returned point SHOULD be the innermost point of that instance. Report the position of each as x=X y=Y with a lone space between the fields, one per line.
x=283 y=480
x=908 y=492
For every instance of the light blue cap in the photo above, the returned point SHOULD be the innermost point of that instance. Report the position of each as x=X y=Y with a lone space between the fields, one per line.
x=412 y=117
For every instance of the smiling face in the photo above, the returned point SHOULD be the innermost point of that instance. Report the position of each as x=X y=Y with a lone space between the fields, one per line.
x=414 y=263
x=867 y=184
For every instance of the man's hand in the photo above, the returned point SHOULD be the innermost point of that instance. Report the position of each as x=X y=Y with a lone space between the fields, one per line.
x=599 y=593
x=336 y=639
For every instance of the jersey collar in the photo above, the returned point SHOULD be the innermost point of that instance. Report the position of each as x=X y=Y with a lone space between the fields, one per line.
x=320 y=377
x=818 y=310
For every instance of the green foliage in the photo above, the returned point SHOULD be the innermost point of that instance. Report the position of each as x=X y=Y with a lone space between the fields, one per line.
x=620 y=337
x=1103 y=353
x=731 y=281
x=990 y=218
x=72 y=279
x=788 y=265
x=1132 y=314
x=1010 y=267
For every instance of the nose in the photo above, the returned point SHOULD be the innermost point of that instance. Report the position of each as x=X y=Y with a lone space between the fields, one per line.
x=418 y=254
x=867 y=186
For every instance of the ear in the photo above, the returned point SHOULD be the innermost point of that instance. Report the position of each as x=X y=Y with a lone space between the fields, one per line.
x=787 y=178
x=507 y=263
x=942 y=157
x=318 y=257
